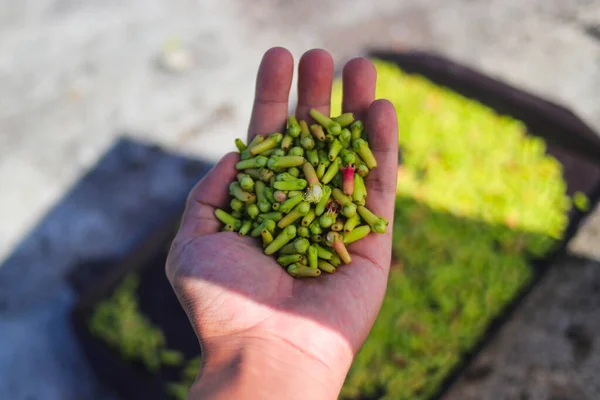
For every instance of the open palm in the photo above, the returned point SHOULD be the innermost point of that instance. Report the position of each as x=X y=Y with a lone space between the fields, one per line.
x=229 y=288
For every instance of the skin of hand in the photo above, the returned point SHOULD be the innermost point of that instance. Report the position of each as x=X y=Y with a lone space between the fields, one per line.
x=264 y=334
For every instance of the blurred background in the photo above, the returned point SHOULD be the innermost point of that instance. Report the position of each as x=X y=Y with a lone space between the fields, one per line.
x=75 y=75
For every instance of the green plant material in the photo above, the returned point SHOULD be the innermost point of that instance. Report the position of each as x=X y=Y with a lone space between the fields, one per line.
x=311 y=206
x=325 y=266
x=235 y=189
x=351 y=223
x=313 y=256
x=322 y=252
x=236 y=205
x=315 y=228
x=267 y=224
x=345 y=138
x=293 y=127
x=332 y=127
x=290 y=203
x=334 y=149
x=359 y=194
x=581 y=201
x=298 y=184
x=338 y=225
x=274 y=215
x=241 y=146
x=179 y=390
x=357 y=129
x=303 y=231
x=301 y=271
x=348 y=207
x=269 y=143
x=267 y=237
x=361 y=147
x=376 y=223
x=344 y=120
x=287 y=142
x=335 y=260
x=119 y=322
x=322 y=204
x=289 y=161
x=226 y=218
x=286 y=260
x=282 y=239
x=308 y=218
x=256 y=162
x=332 y=170
x=172 y=358
x=263 y=202
x=335 y=241
x=356 y=234
x=298 y=212
x=478 y=198
x=296 y=152
x=294 y=171
x=313 y=157
x=317 y=132
x=252 y=211
x=245 y=229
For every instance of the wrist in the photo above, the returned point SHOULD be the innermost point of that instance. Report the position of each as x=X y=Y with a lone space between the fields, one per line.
x=255 y=367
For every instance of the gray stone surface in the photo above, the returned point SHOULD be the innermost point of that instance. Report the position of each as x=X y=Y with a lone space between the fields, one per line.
x=74 y=74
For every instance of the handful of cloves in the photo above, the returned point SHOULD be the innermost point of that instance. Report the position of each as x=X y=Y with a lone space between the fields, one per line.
x=304 y=193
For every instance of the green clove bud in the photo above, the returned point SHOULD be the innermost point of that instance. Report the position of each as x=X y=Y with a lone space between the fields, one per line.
x=240 y=145
x=356 y=129
x=313 y=157
x=286 y=260
x=273 y=215
x=271 y=142
x=325 y=266
x=344 y=119
x=356 y=234
x=315 y=228
x=323 y=253
x=227 y=218
x=362 y=148
x=293 y=127
x=246 y=226
x=298 y=184
x=303 y=231
x=284 y=162
x=301 y=271
x=236 y=205
x=312 y=256
x=256 y=162
x=236 y=190
x=332 y=127
x=281 y=240
x=317 y=132
x=298 y=212
x=296 y=152
x=348 y=207
x=376 y=223
x=333 y=169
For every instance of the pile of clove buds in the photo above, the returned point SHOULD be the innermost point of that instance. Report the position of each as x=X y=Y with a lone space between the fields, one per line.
x=304 y=193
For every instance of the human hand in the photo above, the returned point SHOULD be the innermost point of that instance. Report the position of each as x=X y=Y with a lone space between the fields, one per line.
x=263 y=333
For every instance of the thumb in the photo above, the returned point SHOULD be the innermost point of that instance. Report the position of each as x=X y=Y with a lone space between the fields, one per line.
x=210 y=193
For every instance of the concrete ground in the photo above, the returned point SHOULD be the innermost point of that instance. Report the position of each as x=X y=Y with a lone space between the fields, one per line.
x=74 y=75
